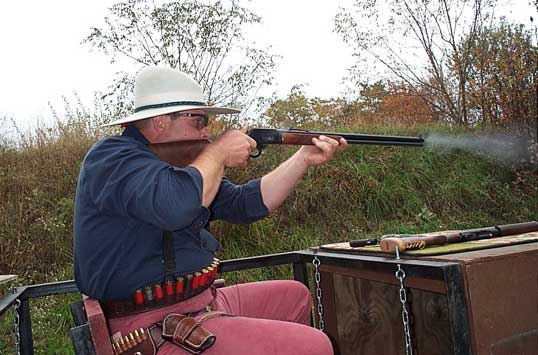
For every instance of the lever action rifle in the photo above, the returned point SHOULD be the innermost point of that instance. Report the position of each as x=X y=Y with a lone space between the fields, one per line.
x=417 y=241
x=182 y=153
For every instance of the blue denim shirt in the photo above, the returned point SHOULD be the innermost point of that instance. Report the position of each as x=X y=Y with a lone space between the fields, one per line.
x=126 y=197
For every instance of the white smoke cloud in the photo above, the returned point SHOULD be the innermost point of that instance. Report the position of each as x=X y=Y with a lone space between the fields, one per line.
x=505 y=147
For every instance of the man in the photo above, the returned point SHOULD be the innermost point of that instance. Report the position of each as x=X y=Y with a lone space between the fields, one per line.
x=142 y=245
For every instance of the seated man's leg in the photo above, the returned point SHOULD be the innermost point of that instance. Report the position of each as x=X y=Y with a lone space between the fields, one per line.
x=278 y=300
x=248 y=336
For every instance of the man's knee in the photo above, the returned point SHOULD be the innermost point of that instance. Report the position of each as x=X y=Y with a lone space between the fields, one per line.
x=299 y=301
x=314 y=342
x=299 y=289
x=245 y=336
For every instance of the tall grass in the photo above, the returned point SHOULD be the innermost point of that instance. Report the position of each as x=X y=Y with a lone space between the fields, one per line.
x=366 y=190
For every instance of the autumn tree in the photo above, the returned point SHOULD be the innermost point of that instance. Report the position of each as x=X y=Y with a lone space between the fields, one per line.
x=204 y=39
x=503 y=75
x=418 y=43
x=390 y=102
x=403 y=105
x=299 y=111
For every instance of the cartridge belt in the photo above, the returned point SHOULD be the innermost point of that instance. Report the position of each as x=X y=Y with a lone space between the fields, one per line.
x=164 y=294
x=178 y=329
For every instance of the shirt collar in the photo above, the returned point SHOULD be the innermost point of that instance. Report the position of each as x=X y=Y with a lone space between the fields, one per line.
x=132 y=131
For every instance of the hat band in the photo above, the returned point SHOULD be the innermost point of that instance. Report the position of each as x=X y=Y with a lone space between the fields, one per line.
x=169 y=104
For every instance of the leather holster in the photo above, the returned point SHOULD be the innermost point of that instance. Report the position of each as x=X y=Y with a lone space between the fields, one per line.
x=187 y=333
x=178 y=329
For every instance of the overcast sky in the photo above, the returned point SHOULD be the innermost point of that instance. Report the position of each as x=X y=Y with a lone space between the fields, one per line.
x=42 y=57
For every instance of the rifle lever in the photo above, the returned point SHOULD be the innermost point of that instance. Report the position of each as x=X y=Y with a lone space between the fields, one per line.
x=256 y=153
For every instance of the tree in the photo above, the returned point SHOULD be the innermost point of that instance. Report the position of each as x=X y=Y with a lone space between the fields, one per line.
x=200 y=38
x=404 y=106
x=418 y=42
x=299 y=111
x=503 y=75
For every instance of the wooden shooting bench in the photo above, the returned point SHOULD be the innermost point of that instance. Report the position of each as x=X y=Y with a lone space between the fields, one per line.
x=476 y=302
x=90 y=335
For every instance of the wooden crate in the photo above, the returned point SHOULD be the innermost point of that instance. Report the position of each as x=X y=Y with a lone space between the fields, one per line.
x=480 y=302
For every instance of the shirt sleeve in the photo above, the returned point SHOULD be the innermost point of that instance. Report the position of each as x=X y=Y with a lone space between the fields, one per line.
x=131 y=181
x=239 y=203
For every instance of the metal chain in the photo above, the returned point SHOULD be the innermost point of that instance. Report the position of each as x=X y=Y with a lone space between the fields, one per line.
x=400 y=275
x=317 y=276
x=16 y=326
x=411 y=320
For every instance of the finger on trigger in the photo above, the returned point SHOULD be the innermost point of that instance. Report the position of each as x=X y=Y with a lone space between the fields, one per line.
x=253 y=143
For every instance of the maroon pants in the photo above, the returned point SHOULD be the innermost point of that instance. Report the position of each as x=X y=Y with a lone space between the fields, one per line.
x=271 y=317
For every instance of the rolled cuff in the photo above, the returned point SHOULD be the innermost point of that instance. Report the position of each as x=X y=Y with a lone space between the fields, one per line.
x=255 y=208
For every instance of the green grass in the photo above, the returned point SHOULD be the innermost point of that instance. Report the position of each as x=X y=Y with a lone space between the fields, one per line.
x=366 y=191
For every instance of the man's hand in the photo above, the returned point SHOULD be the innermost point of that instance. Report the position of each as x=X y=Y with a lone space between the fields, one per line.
x=234 y=146
x=322 y=151
x=231 y=149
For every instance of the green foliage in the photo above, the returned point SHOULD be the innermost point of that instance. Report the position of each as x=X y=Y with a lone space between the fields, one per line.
x=51 y=321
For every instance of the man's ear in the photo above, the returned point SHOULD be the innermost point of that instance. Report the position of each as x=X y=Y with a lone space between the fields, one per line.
x=159 y=123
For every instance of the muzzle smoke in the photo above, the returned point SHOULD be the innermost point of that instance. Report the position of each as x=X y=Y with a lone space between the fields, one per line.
x=507 y=148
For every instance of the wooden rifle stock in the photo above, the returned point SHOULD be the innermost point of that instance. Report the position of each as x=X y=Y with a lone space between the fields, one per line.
x=422 y=241
x=179 y=153
x=182 y=153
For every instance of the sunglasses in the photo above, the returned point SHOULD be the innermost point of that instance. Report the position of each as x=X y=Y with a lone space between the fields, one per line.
x=201 y=119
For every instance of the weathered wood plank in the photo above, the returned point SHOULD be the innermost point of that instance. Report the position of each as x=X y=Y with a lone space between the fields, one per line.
x=431 y=323
x=368 y=317
x=6 y=278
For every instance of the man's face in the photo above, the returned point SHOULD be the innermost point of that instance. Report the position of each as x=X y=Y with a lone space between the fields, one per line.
x=187 y=125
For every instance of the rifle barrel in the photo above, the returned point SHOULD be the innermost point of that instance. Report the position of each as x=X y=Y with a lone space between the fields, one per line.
x=419 y=142
x=361 y=138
